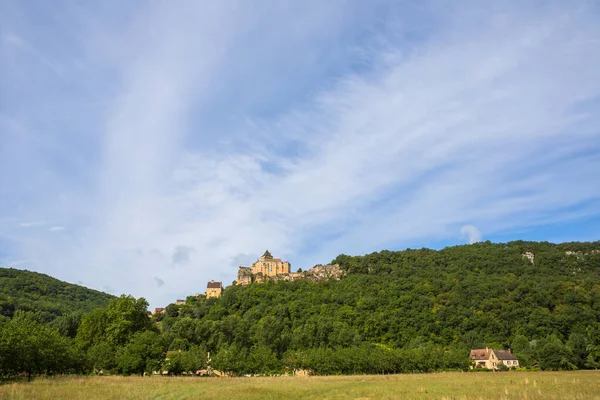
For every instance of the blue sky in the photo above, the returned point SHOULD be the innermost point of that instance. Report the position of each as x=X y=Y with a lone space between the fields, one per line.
x=147 y=147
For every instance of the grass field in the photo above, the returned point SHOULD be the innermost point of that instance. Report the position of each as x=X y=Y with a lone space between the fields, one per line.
x=519 y=385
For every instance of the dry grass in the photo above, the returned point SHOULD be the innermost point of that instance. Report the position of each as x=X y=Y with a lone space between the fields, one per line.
x=446 y=386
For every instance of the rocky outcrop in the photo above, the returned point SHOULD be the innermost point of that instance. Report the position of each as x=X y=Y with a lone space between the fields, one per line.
x=580 y=253
x=530 y=256
x=317 y=273
x=244 y=276
x=322 y=272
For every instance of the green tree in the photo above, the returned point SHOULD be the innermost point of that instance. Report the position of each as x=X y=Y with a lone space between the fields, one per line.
x=92 y=329
x=115 y=324
x=553 y=354
x=126 y=316
x=522 y=349
x=101 y=357
x=577 y=346
x=32 y=348
x=143 y=353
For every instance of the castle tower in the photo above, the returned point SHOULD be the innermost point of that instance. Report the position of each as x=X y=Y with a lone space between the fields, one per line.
x=270 y=266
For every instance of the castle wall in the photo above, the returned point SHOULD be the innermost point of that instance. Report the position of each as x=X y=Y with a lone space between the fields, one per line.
x=271 y=267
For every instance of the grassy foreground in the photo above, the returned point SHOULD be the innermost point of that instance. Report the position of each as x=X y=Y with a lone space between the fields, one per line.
x=522 y=385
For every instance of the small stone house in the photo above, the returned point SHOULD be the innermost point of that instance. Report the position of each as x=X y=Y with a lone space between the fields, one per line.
x=180 y=302
x=492 y=359
x=214 y=289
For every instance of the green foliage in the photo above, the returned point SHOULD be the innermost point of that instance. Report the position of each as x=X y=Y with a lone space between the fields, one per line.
x=143 y=353
x=430 y=303
x=188 y=361
x=593 y=346
x=26 y=346
x=577 y=348
x=370 y=358
x=405 y=311
x=521 y=347
x=104 y=332
x=115 y=324
x=47 y=296
x=554 y=355
x=101 y=357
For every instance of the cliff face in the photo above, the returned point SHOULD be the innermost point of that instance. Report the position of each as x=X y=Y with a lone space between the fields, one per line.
x=317 y=273
x=322 y=272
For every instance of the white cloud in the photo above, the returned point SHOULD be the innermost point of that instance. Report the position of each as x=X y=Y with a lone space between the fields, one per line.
x=56 y=228
x=471 y=233
x=229 y=129
x=32 y=224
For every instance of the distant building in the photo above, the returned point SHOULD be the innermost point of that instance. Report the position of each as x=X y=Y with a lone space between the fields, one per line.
x=214 y=289
x=158 y=310
x=304 y=372
x=269 y=266
x=492 y=359
x=179 y=302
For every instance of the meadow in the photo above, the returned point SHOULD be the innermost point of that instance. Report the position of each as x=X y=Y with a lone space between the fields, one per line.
x=455 y=386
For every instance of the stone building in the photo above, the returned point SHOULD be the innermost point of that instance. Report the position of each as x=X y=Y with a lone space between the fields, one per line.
x=491 y=359
x=214 y=289
x=269 y=266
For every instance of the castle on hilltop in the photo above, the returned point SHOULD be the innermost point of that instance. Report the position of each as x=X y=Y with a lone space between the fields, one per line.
x=265 y=266
x=269 y=268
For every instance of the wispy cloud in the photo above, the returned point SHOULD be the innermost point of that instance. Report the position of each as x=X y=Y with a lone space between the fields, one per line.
x=200 y=135
x=471 y=233
x=32 y=224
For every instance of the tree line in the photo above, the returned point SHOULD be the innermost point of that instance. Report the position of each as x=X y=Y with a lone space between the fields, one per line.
x=393 y=312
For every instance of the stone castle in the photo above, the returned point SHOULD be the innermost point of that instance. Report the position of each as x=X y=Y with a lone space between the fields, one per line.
x=269 y=268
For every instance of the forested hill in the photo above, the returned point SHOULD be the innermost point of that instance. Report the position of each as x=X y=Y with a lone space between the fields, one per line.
x=47 y=296
x=393 y=311
x=479 y=294
x=539 y=298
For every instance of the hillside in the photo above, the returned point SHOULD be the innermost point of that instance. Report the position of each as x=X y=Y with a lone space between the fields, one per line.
x=535 y=297
x=50 y=297
x=391 y=312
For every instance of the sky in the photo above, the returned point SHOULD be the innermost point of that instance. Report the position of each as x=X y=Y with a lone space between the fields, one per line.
x=149 y=147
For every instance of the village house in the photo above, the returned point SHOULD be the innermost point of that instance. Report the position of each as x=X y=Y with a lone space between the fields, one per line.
x=492 y=359
x=179 y=302
x=159 y=310
x=214 y=289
